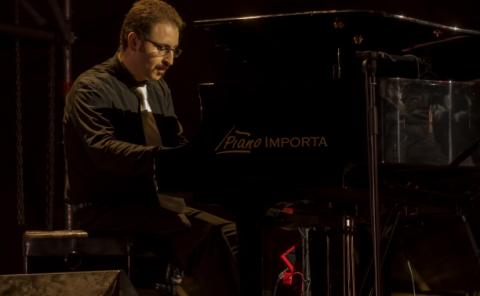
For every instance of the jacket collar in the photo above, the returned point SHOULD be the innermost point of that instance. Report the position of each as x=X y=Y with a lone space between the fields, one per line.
x=124 y=75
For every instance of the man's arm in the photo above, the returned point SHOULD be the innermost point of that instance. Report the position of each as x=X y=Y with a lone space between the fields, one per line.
x=85 y=119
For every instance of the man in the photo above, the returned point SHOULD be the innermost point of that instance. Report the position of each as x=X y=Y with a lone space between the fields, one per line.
x=114 y=148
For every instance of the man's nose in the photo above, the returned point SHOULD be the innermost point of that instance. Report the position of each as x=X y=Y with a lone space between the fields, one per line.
x=169 y=57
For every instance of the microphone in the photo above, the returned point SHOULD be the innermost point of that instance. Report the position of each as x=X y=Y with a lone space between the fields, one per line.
x=386 y=56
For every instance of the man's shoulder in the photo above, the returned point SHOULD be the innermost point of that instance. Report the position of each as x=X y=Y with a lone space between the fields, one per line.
x=99 y=78
x=97 y=75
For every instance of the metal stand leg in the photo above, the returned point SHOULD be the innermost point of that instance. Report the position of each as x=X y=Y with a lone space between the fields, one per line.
x=349 y=286
x=369 y=68
x=306 y=289
x=328 y=264
x=472 y=239
x=348 y=281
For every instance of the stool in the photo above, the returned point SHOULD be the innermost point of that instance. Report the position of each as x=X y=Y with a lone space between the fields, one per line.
x=74 y=245
x=71 y=244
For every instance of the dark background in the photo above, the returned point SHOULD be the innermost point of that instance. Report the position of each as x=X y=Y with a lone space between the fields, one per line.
x=95 y=25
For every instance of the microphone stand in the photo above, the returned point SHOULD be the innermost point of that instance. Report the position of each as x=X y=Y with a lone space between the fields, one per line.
x=369 y=66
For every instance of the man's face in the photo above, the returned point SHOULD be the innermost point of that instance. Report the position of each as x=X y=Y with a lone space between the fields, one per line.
x=159 y=50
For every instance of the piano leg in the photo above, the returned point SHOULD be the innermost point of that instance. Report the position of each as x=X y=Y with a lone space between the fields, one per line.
x=249 y=231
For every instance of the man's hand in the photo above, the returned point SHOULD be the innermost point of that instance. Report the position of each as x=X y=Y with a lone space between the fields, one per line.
x=172 y=203
x=185 y=220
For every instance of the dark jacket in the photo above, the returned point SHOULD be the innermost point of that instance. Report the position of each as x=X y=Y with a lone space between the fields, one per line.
x=106 y=157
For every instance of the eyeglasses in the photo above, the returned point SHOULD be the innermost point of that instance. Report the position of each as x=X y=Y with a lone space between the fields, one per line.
x=164 y=49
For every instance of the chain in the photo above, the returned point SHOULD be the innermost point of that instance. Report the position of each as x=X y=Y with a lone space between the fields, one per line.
x=18 y=125
x=50 y=161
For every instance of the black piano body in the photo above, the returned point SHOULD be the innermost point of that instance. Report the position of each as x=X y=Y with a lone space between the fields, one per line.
x=283 y=96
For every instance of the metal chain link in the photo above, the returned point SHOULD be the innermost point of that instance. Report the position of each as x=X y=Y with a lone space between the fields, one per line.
x=50 y=161
x=18 y=125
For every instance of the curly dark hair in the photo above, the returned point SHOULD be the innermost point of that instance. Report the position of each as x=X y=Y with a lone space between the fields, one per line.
x=144 y=14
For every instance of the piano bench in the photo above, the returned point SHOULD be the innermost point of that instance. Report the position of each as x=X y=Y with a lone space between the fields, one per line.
x=73 y=246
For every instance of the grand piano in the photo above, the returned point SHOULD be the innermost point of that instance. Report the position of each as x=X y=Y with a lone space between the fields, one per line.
x=286 y=117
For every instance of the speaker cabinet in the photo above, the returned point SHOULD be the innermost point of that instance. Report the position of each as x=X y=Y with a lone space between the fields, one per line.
x=101 y=283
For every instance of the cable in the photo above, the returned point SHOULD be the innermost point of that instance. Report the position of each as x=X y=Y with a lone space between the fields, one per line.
x=280 y=277
x=303 y=282
x=412 y=277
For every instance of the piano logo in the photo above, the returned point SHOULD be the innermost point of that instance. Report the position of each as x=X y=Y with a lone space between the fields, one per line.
x=241 y=142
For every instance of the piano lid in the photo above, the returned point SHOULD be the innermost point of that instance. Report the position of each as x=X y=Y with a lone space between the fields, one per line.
x=401 y=33
x=259 y=36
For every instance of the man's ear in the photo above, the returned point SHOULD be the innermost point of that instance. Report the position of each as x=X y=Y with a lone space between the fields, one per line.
x=133 y=41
